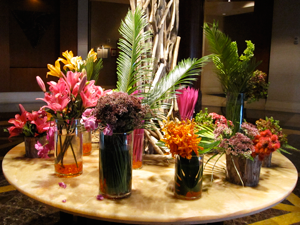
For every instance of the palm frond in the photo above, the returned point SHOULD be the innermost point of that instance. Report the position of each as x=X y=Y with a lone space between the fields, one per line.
x=182 y=75
x=232 y=72
x=132 y=63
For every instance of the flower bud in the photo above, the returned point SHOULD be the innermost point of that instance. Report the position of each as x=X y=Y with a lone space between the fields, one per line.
x=41 y=83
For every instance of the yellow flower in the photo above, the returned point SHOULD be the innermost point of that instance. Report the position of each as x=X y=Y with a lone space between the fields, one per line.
x=181 y=139
x=70 y=62
x=92 y=54
x=54 y=70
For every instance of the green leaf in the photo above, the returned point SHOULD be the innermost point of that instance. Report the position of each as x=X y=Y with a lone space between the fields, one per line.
x=132 y=63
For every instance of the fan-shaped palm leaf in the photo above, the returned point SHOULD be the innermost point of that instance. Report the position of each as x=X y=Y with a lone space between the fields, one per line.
x=182 y=75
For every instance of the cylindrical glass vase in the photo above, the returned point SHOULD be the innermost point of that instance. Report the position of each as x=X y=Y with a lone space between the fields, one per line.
x=115 y=165
x=235 y=109
x=138 y=148
x=243 y=171
x=86 y=142
x=68 y=148
x=188 y=177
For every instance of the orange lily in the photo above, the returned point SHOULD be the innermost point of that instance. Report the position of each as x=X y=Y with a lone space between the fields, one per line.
x=92 y=54
x=54 y=70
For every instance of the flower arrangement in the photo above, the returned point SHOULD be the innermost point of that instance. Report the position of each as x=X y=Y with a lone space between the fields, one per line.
x=250 y=141
x=119 y=112
x=73 y=93
x=186 y=100
x=257 y=87
x=181 y=138
x=265 y=143
x=34 y=124
x=234 y=72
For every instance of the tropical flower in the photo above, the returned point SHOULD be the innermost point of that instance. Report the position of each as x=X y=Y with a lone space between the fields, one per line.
x=34 y=124
x=265 y=143
x=181 y=139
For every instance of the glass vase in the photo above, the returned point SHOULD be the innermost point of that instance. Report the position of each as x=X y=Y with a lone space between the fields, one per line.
x=188 y=177
x=115 y=165
x=138 y=148
x=68 y=148
x=30 y=150
x=86 y=142
x=235 y=109
x=243 y=171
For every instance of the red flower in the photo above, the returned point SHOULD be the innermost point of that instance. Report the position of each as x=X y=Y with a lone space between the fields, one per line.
x=265 y=143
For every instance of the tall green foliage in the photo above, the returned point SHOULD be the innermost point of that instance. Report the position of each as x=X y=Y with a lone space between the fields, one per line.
x=233 y=71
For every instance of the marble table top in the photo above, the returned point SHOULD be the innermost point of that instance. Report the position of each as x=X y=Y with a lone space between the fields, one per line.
x=152 y=200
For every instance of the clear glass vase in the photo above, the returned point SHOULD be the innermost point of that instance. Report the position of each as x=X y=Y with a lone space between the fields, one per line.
x=188 y=177
x=138 y=148
x=86 y=142
x=115 y=165
x=235 y=109
x=68 y=148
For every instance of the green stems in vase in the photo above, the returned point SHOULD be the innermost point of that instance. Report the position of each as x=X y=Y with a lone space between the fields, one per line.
x=115 y=165
x=68 y=148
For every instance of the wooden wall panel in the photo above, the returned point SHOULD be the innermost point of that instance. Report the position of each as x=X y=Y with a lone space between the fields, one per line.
x=4 y=47
x=23 y=79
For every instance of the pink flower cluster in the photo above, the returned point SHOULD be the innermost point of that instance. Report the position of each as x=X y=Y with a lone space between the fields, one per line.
x=89 y=120
x=220 y=119
x=43 y=150
x=30 y=124
x=238 y=144
x=71 y=94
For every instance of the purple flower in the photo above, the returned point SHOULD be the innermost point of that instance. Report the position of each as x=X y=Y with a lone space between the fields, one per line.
x=64 y=201
x=62 y=184
x=100 y=197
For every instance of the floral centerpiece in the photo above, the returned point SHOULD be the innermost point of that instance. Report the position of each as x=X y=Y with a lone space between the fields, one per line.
x=118 y=114
x=33 y=126
x=236 y=72
x=244 y=150
x=66 y=101
x=181 y=138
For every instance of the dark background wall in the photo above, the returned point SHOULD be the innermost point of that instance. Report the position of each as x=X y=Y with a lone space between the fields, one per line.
x=33 y=34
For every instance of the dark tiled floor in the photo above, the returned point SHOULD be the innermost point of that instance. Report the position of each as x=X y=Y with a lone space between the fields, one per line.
x=18 y=209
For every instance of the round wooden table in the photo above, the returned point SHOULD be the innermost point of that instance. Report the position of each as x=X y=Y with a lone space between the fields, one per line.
x=152 y=199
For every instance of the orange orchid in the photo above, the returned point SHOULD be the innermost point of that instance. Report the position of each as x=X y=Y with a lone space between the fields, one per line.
x=181 y=139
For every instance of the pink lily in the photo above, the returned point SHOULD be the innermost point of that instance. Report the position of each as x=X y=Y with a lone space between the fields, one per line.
x=41 y=83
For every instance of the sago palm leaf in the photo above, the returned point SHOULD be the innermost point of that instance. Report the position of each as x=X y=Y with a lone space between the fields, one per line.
x=132 y=63
x=182 y=75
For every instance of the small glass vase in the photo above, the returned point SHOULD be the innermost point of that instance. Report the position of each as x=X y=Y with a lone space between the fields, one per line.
x=86 y=142
x=242 y=171
x=68 y=148
x=235 y=109
x=115 y=165
x=138 y=148
x=188 y=177
x=30 y=150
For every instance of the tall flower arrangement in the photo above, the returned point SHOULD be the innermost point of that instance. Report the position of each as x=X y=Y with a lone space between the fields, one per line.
x=73 y=93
